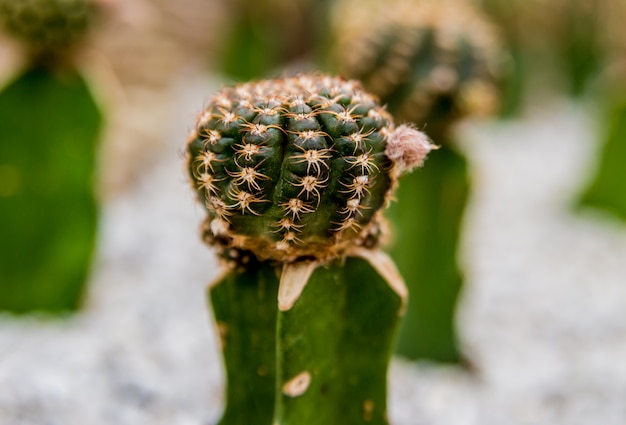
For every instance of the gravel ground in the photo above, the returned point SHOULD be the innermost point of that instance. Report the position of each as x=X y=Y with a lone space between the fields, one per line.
x=542 y=316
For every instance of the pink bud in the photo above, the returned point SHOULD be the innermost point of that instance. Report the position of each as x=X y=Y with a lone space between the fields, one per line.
x=407 y=147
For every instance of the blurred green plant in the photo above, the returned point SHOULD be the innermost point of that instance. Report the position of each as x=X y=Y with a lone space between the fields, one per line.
x=580 y=42
x=293 y=174
x=49 y=123
x=267 y=37
x=432 y=63
x=607 y=187
x=559 y=38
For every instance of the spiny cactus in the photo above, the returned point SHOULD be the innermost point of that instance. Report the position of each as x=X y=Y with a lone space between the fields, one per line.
x=429 y=61
x=293 y=174
x=432 y=62
x=297 y=167
x=47 y=25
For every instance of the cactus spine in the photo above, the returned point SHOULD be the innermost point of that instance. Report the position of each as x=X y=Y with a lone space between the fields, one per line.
x=293 y=174
x=432 y=63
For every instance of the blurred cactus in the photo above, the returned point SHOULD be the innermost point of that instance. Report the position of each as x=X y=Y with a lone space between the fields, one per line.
x=47 y=27
x=430 y=62
x=48 y=211
x=606 y=189
x=433 y=63
x=47 y=206
x=293 y=174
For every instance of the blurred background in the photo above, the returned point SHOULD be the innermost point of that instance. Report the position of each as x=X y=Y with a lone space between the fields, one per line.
x=103 y=318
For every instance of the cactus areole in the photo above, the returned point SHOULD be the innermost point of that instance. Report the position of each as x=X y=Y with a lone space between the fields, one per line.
x=298 y=167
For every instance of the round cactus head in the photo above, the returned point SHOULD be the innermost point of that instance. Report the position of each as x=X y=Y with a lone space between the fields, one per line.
x=431 y=62
x=47 y=25
x=297 y=167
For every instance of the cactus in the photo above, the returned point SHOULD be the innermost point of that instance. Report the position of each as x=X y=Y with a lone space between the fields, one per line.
x=606 y=189
x=293 y=174
x=47 y=26
x=432 y=63
x=47 y=205
x=49 y=123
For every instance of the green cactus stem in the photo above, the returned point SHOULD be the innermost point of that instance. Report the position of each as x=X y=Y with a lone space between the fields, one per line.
x=299 y=342
x=431 y=209
x=432 y=63
x=245 y=311
x=607 y=189
x=49 y=124
x=293 y=174
x=332 y=354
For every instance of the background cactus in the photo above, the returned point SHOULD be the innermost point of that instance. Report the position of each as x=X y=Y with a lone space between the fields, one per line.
x=430 y=62
x=47 y=204
x=433 y=63
x=50 y=124
x=293 y=173
x=606 y=188
x=47 y=26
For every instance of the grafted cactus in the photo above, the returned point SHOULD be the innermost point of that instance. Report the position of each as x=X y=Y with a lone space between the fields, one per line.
x=47 y=25
x=293 y=174
x=298 y=167
x=429 y=61
x=432 y=62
